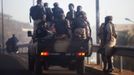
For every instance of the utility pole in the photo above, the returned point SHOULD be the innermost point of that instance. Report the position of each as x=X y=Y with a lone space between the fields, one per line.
x=33 y=2
x=2 y=18
x=97 y=28
x=97 y=20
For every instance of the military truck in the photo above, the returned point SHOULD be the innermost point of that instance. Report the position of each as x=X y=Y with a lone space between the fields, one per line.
x=60 y=51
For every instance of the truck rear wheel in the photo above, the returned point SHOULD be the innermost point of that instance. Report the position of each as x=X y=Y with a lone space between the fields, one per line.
x=31 y=63
x=38 y=67
x=71 y=67
x=46 y=66
x=80 y=67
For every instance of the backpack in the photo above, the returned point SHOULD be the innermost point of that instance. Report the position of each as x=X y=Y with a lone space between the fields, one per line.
x=36 y=12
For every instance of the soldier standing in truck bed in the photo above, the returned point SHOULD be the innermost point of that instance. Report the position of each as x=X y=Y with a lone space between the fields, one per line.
x=38 y=14
x=71 y=14
x=49 y=13
x=57 y=11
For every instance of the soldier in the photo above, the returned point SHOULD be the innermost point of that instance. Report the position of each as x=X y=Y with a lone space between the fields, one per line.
x=82 y=25
x=71 y=14
x=49 y=13
x=38 y=14
x=62 y=26
x=49 y=17
x=79 y=10
x=82 y=31
x=107 y=36
x=57 y=11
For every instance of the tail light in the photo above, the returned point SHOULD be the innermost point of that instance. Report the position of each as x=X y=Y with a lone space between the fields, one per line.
x=44 y=54
x=81 y=53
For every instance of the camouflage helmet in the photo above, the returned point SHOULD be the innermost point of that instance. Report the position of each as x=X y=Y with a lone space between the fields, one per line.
x=79 y=8
x=56 y=4
x=39 y=0
x=108 y=18
x=45 y=4
x=71 y=4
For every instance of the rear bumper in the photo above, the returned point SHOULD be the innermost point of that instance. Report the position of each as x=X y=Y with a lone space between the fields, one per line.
x=66 y=54
x=60 y=58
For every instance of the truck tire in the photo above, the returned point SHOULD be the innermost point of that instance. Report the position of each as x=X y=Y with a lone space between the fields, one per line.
x=71 y=67
x=46 y=66
x=38 y=67
x=31 y=63
x=80 y=66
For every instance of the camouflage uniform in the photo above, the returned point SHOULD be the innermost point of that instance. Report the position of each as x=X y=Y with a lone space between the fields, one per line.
x=107 y=36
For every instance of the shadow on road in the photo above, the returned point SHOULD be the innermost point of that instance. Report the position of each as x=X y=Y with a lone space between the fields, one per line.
x=14 y=72
x=11 y=66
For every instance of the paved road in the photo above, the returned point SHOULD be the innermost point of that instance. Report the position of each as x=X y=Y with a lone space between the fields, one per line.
x=9 y=65
x=16 y=64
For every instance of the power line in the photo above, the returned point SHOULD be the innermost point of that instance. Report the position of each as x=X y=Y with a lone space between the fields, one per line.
x=33 y=2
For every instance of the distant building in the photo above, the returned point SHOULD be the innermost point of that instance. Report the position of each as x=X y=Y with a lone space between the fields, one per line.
x=14 y=27
x=124 y=27
x=125 y=34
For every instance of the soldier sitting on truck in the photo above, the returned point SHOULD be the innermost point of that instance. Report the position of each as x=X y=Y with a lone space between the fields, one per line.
x=82 y=26
x=63 y=34
x=49 y=17
x=81 y=31
x=62 y=26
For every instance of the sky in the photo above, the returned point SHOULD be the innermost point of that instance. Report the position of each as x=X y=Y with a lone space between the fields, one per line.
x=119 y=9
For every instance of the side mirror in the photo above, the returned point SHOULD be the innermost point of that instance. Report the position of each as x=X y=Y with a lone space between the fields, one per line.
x=29 y=34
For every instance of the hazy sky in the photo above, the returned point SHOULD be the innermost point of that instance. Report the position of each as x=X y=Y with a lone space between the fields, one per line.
x=119 y=9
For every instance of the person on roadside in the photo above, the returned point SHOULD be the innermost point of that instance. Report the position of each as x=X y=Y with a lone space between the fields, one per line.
x=11 y=44
x=107 y=37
